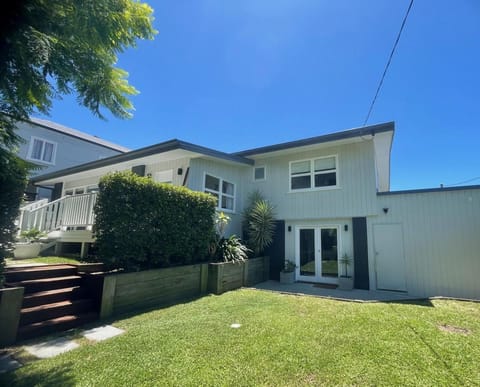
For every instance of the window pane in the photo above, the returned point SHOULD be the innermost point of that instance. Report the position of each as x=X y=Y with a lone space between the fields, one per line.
x=300 y=167
x=227 y=188
x=326 y=179
x=37 y=149
x=329 y=252
x=69 y=192
x=92 y=188
x=259 y=173
x=79 y=191
x=307 y=252
x=300 y=182
x=324 y=164
x=227 y=203
x=48 y=152
x=212 y=183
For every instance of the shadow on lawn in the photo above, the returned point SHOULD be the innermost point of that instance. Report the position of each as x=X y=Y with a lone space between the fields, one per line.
x=418 y=302
x=51 y=377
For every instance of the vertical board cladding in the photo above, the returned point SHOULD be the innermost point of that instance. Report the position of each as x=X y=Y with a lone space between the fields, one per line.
x=233 y=174
x=441 y=239
x=354 y=196
x=276 y=251
x=360 y=253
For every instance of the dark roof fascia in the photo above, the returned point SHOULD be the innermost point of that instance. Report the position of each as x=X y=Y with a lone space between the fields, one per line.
x=426 y=190
x=143 y=152
x=112 y=147
x=365 y=131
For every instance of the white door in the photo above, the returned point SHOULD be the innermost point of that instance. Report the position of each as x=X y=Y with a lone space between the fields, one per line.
x=389 y=257
x=317 y=254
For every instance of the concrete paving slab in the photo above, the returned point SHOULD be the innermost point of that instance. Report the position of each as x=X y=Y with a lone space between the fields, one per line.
x=356 y=295
x=7 y=363
x=51 y=348
x=102 y=333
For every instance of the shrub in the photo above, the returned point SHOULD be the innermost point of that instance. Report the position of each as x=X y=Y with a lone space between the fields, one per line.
x=13 y=178
x=259 y=222
x=141 y=224
x=229 y=249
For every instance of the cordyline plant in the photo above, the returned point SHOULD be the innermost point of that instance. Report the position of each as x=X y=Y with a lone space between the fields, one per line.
x=229 y=249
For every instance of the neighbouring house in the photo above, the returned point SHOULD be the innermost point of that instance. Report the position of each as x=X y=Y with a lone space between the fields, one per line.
x=54 y=147
x=332 y=197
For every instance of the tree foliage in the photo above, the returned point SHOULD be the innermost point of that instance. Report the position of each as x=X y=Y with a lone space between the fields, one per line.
x=49 y=48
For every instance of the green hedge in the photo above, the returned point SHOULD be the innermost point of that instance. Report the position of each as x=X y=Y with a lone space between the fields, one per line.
x=13 y=178
x=141 y=224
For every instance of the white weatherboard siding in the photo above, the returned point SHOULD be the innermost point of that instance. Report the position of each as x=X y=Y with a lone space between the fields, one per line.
x=70 y=150
x=233 y=174
x=356 y=180
x=441 y=240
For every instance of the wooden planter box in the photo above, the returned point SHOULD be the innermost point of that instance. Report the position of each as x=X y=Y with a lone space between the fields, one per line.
x=10 y=304
x=225 y=276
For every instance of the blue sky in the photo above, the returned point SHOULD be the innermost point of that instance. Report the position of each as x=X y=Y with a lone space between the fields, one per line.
x=234 y=75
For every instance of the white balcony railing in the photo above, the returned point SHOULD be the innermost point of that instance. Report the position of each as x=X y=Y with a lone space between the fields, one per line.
x=68 y=211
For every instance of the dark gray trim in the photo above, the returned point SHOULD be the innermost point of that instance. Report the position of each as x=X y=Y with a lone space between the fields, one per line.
x=360 y=253
x=426 y=190
x=143 y=152
x=57 y=191
x=365 y=131
x=276 y=251
x=139 y=170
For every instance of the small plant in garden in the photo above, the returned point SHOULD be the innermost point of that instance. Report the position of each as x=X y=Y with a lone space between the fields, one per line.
x=289 y=266
x=229 y=249
x=32 y=235
x=346 y=261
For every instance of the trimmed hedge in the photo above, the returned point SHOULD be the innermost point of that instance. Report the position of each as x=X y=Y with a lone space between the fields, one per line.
x=13 y=178
x=141 y=224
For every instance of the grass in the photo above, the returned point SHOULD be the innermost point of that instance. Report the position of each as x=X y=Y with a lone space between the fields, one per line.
x=283 y=341
x=44 y=260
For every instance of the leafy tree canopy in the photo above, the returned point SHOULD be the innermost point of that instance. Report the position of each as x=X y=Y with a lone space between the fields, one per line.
x=49 y=48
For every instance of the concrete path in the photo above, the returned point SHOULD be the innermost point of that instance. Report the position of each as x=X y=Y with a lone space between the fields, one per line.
x=55 y=347
x=356 y=295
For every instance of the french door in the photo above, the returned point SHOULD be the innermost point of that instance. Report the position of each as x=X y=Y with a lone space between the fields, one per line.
x=316 y=253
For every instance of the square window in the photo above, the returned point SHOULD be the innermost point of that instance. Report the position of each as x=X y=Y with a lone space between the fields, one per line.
x=42 y=150
x=259 y=173
x=212 y=183
x=222 y=190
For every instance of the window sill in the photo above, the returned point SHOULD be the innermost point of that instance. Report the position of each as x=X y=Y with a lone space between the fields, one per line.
x=40 y=161
x=320 y=189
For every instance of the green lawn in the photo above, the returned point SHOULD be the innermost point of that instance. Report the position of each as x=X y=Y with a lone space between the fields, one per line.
x=283 y=341
x=44 y=260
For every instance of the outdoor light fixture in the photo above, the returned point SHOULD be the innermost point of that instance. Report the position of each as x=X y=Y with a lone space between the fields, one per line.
x=179 y=171
x=385 y=210
x=345 y=227
x=289 y=228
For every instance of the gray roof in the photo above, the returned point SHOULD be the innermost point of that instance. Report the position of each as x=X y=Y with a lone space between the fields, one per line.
x=76 y=133
x=358 y=132
x=142 y=152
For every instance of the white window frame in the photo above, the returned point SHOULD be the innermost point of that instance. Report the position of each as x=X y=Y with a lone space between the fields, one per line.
x=264 y=173
x=220 y=193
x=44 y=141
x=86 y=190
x=312 y=174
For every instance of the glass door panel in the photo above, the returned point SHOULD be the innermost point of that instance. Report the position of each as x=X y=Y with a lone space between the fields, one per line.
x=329 y=243
x=307 y=252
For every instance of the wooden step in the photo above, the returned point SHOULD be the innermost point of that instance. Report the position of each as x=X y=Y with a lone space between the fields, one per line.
x=37 y=272
x=44 y=284
x=54 y=325
x=54 y=310
x=51 y=296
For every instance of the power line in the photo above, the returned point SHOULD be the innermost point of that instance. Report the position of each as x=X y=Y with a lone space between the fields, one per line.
x=388 y=63
x=462 y=182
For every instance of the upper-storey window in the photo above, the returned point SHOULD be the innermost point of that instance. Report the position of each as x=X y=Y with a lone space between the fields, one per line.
x=42 y=150
x=314 y=173
x=223 y=190
x=259 y=173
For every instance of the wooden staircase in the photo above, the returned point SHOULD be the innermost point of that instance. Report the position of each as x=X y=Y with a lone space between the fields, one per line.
x=54 y=299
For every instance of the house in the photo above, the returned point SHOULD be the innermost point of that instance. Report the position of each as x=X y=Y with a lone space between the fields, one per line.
x=54 y=147
x=332 y=197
